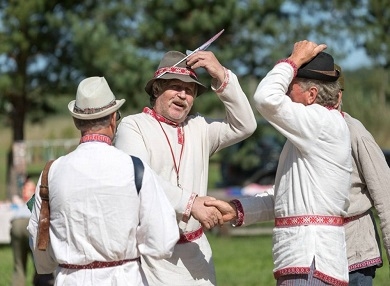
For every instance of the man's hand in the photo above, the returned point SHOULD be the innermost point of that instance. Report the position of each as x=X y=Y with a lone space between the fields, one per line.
x=304 y=51
x=209 y=62
x=228 y=210
x=207 y=216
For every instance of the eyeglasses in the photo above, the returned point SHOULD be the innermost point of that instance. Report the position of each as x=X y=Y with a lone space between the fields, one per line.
x=118 y=115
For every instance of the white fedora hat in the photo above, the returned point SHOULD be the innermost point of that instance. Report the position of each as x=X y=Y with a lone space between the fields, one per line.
x=94 y=99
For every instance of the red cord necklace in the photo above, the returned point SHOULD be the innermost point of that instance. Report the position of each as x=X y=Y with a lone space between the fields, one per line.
x=180 y=137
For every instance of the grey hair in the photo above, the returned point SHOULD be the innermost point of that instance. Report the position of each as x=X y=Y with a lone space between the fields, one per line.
x=92 y=124
x=328 y=92
x=159 y=86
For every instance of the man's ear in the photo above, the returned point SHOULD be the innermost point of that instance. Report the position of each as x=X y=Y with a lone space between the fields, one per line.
x=313 y=91
x=113 y=121
x=339 y=100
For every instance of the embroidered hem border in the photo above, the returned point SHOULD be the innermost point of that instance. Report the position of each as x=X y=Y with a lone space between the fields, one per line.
x=190 y=236
x=365 y=264
x=309 y=220
x=305 y=270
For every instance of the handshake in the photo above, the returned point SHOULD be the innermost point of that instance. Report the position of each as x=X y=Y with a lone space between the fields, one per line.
x=211 y=212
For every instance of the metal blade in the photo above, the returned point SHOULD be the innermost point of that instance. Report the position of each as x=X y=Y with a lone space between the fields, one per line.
x=201 y=48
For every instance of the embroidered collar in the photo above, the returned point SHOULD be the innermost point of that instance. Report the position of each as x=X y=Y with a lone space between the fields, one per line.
x=159 y=117
x=96 y=138
x=180 y=138
x=332 y=108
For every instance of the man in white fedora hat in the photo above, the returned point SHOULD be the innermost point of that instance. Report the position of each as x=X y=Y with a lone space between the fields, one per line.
x=106 y=207
x=178 y=147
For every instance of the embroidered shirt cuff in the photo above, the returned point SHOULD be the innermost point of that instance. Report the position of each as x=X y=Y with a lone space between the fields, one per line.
x=291 y=63
x=187 y=211
x=224 y=84
x=240 y=213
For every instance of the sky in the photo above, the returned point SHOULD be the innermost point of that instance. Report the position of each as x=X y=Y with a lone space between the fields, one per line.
x=358 y=58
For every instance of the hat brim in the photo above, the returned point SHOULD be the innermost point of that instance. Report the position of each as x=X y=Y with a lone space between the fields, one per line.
x=100 y=114
x=185 y=78
x=311 y=74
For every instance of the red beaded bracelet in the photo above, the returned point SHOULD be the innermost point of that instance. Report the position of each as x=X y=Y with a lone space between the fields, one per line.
x=240 y=213
x=291 y=63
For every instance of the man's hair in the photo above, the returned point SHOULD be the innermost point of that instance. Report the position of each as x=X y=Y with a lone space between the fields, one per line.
x=328 y=92
x=159 y=86
x=92 y=124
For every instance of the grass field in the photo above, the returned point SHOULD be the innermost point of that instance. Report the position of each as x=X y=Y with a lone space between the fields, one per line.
x=239 y=261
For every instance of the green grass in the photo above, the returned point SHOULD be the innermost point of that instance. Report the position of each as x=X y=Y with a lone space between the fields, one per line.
x=6 y=266
x=243 y=261
x=247 y=261
x=239 y=261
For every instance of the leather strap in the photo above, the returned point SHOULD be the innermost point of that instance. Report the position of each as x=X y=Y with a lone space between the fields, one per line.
x=44 y=216
x=138 y=172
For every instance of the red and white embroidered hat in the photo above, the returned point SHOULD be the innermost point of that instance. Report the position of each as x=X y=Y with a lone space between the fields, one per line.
x=94 y=99
x=167 y=70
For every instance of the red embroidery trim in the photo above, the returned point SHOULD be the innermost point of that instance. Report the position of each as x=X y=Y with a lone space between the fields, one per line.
x=176 y=70
x=240 y=213
x=190 y=236
x=365 y=264
x=291 y=63
x=309 y=220
x=291 y=271
x=187 y=212
x=180 y=135
x=96 y=137
x=98 y=264
x=306 y=270
x=225 y=82
x=328 y=279
x=332 y=108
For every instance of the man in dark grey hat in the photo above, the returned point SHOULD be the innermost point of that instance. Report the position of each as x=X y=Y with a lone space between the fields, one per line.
x=310 y=197
x=106 y=208
x=178 y=147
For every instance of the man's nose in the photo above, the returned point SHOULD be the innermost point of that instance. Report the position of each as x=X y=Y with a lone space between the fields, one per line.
x=181 y=93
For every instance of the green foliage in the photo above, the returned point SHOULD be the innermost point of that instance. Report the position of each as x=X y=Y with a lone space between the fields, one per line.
x=363 y=99
x=49 y=46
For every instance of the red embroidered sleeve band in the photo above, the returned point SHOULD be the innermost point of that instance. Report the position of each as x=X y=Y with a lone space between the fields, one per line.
x=291 y=63
x=187 y=211
x=240 y=213
x=225 y=82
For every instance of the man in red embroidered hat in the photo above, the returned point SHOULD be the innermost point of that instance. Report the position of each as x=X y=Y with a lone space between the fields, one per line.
x=309 y=200
x=106 y=207
x=178 y=147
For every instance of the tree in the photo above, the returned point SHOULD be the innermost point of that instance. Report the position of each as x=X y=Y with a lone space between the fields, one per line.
x=49 y=46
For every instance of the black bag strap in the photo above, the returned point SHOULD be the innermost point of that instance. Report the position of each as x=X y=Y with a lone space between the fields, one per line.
x=138 y=172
